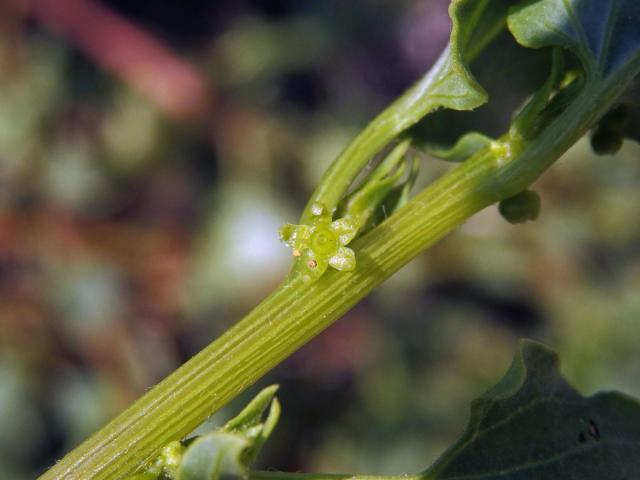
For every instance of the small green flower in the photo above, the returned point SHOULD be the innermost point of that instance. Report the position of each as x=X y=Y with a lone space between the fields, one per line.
x=322 y=243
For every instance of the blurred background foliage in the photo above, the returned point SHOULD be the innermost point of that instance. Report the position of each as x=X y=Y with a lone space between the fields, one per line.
x=148 y=154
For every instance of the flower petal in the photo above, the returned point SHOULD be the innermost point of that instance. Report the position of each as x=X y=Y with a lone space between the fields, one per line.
x=346 y=228
x=315 y=265
x=295 y=236
x=344 y=260
x=320 y=213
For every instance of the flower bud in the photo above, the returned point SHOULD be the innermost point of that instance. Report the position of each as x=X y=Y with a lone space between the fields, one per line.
x=520 y=208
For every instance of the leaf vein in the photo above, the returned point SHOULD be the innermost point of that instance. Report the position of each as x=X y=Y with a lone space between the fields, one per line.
x=603 y=54
x=583 y=45
x=498 y=473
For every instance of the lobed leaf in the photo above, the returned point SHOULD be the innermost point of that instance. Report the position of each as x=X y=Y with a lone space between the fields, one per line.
x=533 y=425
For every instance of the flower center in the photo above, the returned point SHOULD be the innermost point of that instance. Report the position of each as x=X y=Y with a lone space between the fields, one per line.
x=324 y=241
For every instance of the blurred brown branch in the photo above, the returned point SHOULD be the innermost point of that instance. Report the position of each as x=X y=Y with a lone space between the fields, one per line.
x=130 y=52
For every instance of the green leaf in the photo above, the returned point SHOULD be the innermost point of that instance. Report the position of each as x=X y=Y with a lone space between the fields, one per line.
x=226 y=452
x=533 y=425
x=214 y=456
x=603 y=33
x=229 y=451
x=449 y=84
x=250 y=425
x=475 y=25
x=507 y=71
x=251 y=415
x=466 y=146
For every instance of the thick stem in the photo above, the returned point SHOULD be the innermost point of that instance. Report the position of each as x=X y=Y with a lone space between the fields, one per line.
x=296 y=311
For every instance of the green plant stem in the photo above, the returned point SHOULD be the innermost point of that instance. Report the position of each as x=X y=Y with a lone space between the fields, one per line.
x=400 y=115
x=269 y=475
x=296 y=311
